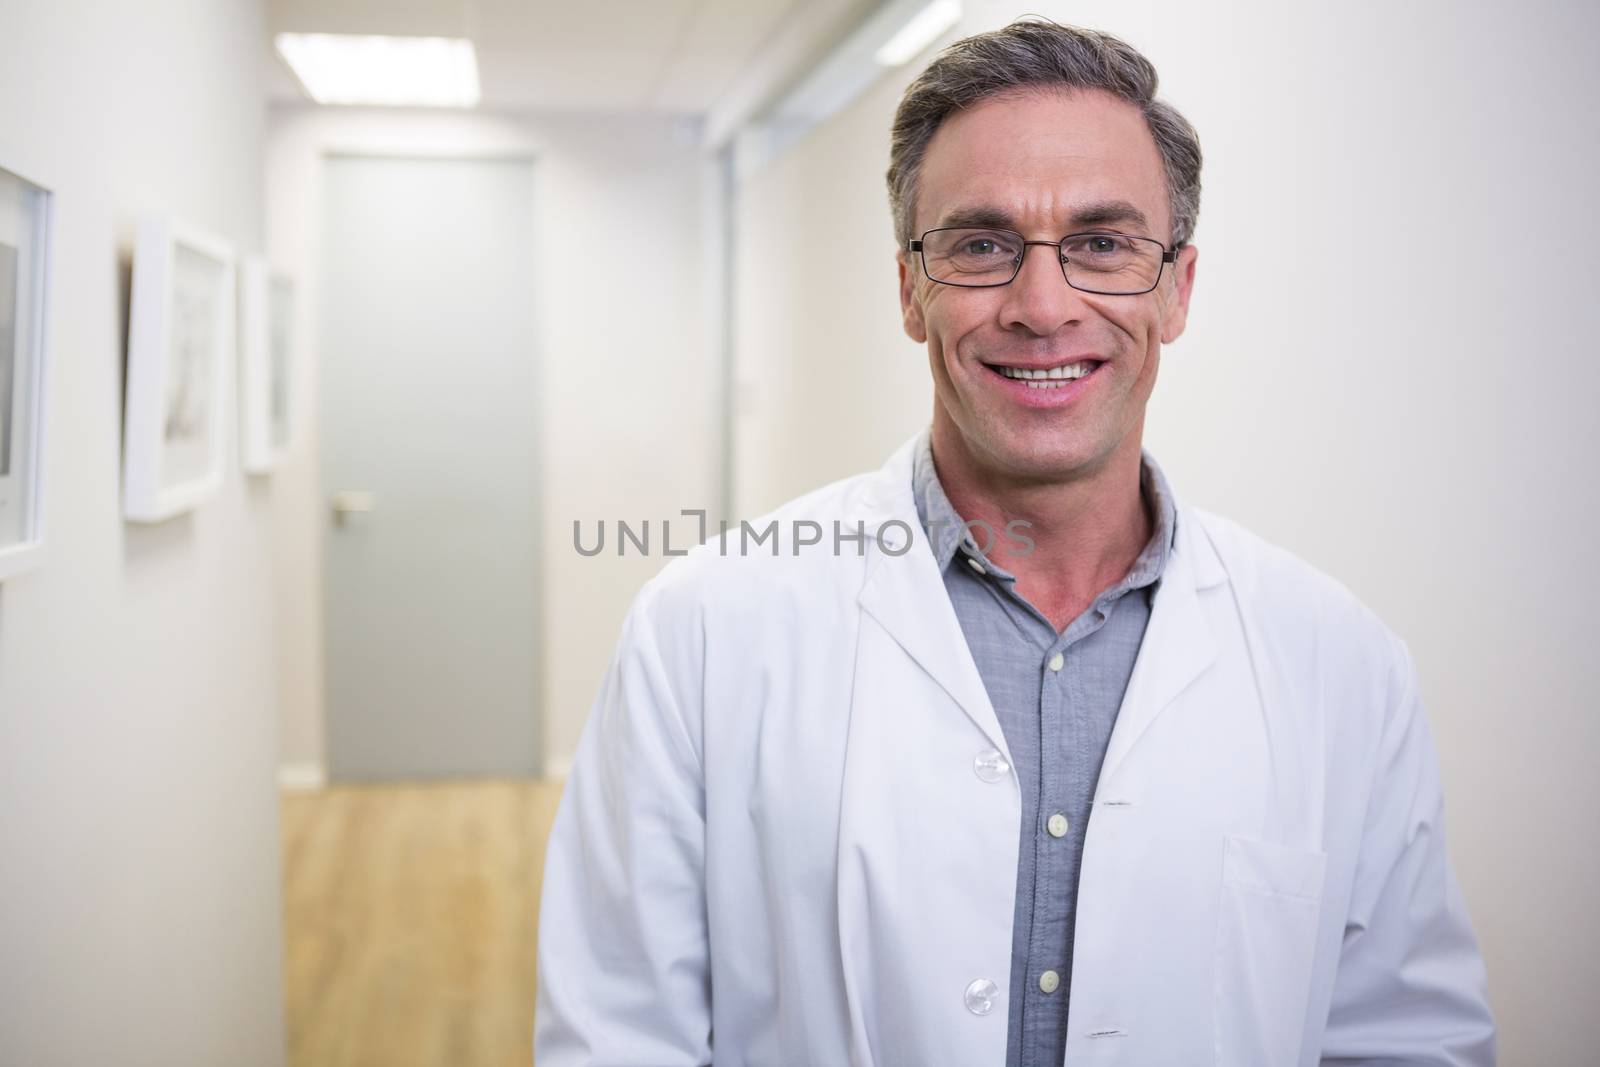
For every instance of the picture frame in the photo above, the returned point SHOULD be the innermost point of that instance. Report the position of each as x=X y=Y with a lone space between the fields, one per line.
x=26 y=223
x=180 y=360
x=266 y=364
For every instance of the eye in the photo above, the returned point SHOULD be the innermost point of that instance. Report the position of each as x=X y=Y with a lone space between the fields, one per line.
x=1102 y=251
x=971 y=252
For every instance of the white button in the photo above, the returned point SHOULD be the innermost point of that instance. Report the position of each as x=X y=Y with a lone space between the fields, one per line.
x=1057 y=825
x=991 y=765
x=1057 y=661
x=981 y=995
x=975 y=565
x=1049 y=982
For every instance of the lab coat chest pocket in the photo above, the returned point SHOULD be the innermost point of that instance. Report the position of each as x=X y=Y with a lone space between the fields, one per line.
x=1267 y=918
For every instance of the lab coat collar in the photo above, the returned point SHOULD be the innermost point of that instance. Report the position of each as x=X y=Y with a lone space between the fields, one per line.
x=904 y=591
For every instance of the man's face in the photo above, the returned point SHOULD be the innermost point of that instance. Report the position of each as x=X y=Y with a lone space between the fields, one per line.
x=1045 y=164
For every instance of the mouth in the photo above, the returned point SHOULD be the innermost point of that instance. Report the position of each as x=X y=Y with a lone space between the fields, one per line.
x=1056 y=377
x=1048 y=386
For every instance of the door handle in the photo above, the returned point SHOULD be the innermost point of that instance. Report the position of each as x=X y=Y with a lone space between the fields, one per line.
x=352 y=502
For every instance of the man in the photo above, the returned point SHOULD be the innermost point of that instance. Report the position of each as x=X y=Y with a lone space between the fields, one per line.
x=1056 y=767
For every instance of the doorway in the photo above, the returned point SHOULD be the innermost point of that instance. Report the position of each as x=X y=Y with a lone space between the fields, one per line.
x=429 y=467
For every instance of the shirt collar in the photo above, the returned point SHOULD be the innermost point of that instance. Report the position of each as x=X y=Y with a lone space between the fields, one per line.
x=949 y=538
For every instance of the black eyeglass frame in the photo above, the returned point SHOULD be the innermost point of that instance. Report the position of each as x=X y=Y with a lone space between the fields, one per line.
x=1168 y=255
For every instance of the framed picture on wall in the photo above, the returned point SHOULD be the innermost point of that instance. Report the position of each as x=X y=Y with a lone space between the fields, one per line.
x=24 y=282
x=266 y=363
x=180 y=352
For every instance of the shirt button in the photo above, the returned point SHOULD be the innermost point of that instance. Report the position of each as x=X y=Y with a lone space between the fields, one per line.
x=1049 y=982
x=1057 y=661
x=1057 y=825
x=975 y=565
x=991 y=765
x=981 y=995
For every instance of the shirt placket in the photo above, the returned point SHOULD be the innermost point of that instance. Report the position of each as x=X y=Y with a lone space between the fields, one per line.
x=1045 y=966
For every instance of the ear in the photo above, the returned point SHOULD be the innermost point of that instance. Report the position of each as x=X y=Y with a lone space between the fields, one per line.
x=910 y=308
x=1177 y=315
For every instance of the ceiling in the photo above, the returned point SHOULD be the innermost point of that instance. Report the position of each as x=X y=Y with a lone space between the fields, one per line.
x=665 y=56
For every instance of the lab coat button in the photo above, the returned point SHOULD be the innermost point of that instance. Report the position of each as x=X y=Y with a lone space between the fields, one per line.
x=1057 y=825
x=1057 y=661
x=1049 y=982
x=981 y=995
x=991 y=765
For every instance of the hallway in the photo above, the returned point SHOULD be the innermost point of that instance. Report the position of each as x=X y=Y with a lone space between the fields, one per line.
x=334 y=332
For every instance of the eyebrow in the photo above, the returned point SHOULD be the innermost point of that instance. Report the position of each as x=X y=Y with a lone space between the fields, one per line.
x=1097 y=213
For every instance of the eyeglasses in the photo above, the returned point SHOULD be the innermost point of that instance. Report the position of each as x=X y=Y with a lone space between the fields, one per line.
x=1112 y=264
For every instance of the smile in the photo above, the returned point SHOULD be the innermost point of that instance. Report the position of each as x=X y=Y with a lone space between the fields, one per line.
x=1058 y=377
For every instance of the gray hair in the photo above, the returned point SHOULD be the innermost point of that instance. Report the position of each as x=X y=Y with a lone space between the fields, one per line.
x=1036 y=52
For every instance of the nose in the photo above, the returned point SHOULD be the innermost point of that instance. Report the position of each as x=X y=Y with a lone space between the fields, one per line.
x=1039 y=300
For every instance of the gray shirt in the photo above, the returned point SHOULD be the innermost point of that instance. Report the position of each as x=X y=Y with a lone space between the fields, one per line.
x=1056 y=696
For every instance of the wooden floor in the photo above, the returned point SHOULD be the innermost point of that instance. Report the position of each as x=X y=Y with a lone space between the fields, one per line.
x=410 y=919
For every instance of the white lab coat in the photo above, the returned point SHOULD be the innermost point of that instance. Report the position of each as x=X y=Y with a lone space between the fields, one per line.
x=775 y=847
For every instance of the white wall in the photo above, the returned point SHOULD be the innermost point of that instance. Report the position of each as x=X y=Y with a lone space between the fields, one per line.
x=827 y=383
x=139 y=878
x=628 y=361
x=1422 y=431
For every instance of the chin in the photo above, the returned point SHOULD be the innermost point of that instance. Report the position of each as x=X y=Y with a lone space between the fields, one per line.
x=1041 y=456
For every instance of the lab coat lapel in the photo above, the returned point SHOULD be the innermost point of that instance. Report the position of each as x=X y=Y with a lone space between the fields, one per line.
x=1178 y=641
x=905 y=593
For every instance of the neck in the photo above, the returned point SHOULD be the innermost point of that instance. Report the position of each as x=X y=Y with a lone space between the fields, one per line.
x=1088 y=526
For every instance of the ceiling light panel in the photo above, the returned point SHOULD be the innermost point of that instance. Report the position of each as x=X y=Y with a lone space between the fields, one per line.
x=921 y=30
x=383 y=71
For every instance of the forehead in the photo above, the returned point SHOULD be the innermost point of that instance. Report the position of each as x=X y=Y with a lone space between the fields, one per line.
x=1038 y=157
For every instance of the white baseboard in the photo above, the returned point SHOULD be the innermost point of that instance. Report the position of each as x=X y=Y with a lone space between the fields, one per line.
x=307 y=777
x=301 y=777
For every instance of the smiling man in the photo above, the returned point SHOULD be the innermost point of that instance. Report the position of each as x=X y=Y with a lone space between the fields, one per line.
x=1043 y=360
x=1126 y=785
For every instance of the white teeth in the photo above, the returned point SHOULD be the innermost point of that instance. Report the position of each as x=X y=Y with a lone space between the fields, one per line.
x=1045 y=378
